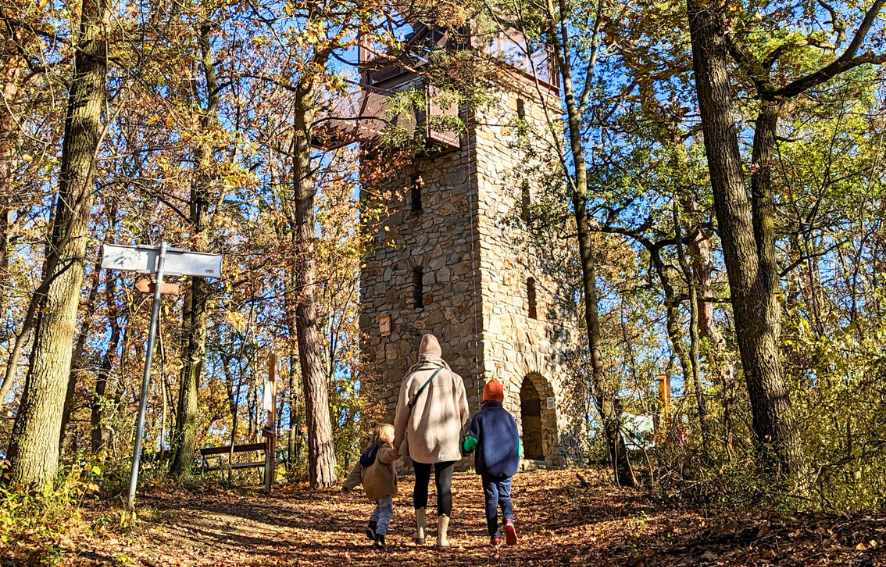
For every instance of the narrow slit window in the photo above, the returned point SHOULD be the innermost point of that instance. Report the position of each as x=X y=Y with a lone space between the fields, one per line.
x=521 y=109
x=530 y=294
x=525 y=203
x=415 y=193
x=418 y=287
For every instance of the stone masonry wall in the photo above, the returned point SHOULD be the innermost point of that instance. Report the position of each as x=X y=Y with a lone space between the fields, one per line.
x=476 y=262
x=516 y=346
x=440 y=239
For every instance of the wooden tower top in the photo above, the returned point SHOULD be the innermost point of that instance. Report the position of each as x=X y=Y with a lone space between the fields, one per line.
x=363 y=115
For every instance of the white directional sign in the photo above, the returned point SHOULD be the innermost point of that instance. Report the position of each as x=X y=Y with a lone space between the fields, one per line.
x=184 y=263
x=267 y=396
x=160 y=261
x=129 y=258
x=177 y=262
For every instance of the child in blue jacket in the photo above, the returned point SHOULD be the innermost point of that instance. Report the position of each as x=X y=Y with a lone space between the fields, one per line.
x=493 y=434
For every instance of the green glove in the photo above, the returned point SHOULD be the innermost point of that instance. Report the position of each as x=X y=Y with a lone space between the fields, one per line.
x=469 y=444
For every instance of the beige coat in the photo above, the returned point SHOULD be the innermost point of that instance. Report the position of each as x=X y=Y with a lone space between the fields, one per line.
x=431 y=431
x=380 y=478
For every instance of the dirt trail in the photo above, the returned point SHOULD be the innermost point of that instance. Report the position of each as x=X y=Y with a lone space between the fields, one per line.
x=559 y=523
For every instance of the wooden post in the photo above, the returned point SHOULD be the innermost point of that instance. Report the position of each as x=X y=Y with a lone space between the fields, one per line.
x=664 y=392
x=270 y=429
x=664 y=398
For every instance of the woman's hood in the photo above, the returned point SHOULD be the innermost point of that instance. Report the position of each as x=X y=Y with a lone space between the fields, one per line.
x=429 y=348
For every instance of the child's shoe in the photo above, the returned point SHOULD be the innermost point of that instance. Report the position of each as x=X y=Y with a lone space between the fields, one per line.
x=510 y=532
x=370 y=529
x=495 y=540
x=380 y=542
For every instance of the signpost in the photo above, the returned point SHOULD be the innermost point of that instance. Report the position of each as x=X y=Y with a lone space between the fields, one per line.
x=145 y=285
x=270 y=432
x=160 y=261
x=177 y=262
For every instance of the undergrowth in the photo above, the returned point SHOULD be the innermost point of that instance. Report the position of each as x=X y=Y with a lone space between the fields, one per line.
x=34 y=522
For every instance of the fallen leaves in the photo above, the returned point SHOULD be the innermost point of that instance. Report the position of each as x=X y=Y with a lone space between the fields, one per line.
x=563 y=518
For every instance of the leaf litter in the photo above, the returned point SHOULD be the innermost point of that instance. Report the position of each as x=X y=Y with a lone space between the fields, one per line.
x=564 y=517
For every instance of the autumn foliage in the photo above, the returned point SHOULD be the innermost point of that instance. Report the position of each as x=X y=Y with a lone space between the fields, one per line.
x=711 y=186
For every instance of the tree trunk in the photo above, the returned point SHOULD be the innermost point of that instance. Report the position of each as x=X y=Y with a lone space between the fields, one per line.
x=321 y=449
x=162 y=442
x=746 y=231
x=195 y=313
x=693 y=334
x=294 y=414
x=672 y=320
x=233 y=403
x=252 y=409
x=713 y=347
x=98 y=403
x=194 y=350
x=606 y=401
x=115 y=400
x=9 y=72
x=77 y=363
x=6 y=383
x=33 y=452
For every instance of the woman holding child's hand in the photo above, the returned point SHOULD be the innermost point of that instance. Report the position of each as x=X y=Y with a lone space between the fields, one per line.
x=431 y=412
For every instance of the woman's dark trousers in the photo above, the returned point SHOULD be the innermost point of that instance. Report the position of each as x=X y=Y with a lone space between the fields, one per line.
x=443 y=480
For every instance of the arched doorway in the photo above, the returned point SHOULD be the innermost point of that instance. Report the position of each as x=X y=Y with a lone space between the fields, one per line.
x=530 y=417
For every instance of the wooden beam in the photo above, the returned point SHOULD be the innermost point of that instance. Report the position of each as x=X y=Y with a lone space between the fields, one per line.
x=244 y=448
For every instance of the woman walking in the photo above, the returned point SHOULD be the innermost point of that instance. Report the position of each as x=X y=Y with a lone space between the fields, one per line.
x=431 y=412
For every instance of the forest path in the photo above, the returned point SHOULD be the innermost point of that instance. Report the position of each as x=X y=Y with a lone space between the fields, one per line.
x=558 y=520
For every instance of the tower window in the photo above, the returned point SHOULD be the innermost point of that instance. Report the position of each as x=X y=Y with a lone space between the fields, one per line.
x=415 y=193
x=418 y=287
x=525 y=202
x=521 y=109
x=530 y=294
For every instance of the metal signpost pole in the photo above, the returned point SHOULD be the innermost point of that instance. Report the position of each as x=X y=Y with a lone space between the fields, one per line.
x=143 y=402
x=158 y=261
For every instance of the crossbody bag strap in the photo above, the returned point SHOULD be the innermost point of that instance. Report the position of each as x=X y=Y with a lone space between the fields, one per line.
x=422 y=389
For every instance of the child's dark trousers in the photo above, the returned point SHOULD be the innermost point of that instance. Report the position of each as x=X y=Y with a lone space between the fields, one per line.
x=497 y=492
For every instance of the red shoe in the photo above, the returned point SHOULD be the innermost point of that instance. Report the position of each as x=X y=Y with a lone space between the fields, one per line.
x=510 y=532
x=495 y=540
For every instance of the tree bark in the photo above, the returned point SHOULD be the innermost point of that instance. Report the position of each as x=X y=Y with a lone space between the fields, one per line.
x=746 y=231
x=195 y=312
x=33 y=452
x=606 y=401
x=7 y=377
x=321 y=449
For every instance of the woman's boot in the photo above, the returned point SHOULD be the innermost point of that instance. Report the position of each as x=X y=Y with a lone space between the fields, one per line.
x=420 y=525
x=442 y=529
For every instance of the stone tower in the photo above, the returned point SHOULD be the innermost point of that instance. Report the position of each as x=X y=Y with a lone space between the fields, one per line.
x=449 y=257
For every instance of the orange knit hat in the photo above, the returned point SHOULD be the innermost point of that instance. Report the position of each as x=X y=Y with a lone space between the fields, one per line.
x=493 y=390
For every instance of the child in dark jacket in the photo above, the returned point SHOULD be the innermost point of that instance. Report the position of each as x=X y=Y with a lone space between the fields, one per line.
x=493 y=434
